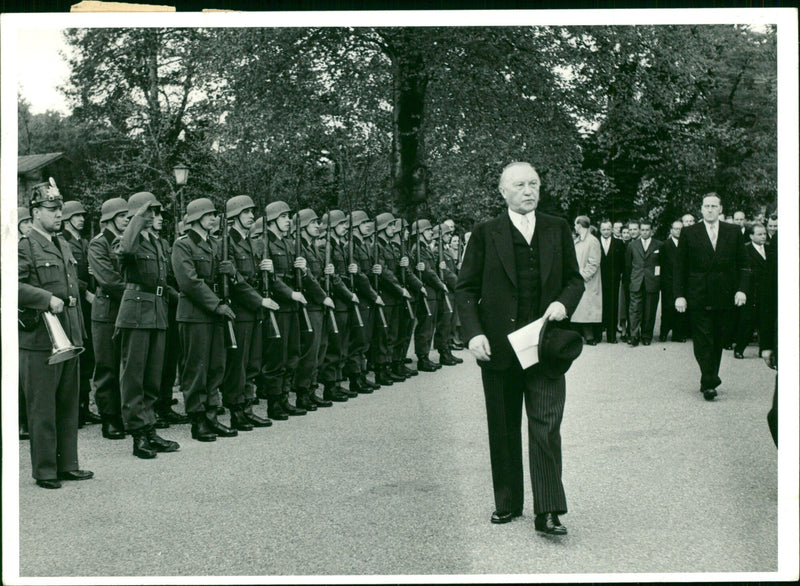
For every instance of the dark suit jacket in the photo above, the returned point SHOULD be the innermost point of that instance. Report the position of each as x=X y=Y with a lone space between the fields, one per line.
x=486 y=293
x=641 y=265
x=710 y=278
x=612 y=265
x=669 y=258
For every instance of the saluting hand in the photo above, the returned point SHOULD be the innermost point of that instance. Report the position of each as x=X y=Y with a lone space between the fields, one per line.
x=56 y=305
x=479 y=346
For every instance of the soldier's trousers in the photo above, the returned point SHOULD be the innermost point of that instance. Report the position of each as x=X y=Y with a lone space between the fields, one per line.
x=386 y=338
x=331 y=368
x=86 y=358
x=275 y=365
x=423 y=336
x=444 y=323
x=202 y=365
x=140 y=375
x=359 y=342
x=51 y=397
x=106 y=369
x=405 y=330
x=309 y=349
x=236 y=362
x=171 y=356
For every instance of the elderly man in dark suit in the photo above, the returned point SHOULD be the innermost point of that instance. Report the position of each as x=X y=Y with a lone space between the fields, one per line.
x=711 y=277
x=519 y=267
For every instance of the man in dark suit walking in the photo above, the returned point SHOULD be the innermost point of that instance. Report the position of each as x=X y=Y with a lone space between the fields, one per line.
x=711 y=278
x=519 y=267
x=762 y=305
x=612 y=265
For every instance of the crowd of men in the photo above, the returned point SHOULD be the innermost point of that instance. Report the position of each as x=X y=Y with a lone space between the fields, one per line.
x=634 y=271
x=245 y=306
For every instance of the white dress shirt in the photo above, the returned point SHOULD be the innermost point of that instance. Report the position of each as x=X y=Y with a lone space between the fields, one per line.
x=606 y=243
x=646 y=244
x=713 y=237
x=760 y=249
x=524 y=223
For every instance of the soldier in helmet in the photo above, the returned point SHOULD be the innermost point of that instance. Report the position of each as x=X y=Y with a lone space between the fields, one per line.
x=307 y=229
x=142 y=325
x=417 y=289
x=73 y=217
x=237 y=395
x=335 y=351
x=444 y=319
x=48 y=281
x=110 y=286
x=423 y=336
x=24 y=222
x=280 y=355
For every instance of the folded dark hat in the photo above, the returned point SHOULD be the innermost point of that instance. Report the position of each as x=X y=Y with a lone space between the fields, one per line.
x=558 y=348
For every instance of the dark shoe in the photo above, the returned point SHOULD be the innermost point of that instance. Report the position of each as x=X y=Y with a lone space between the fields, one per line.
x=275 y=410
x=76 y=475
x=738 y=355
x=709 y=394
x=383 y=378
x=397 y=377
x=549 y=524
x=425 y=364
x=446 y=359
x=160 y=423
x=634 y=342
x=646 y=342
x=407 y=361
x=456 y=346
x=256 y=420
x=678 y=339
x=113 y=430
x=48 y=483
x=171 y=416
x=290 y=409
x=88 y=417
x=142 y=448
x=334 y=393
x=357 y=387
x=240 y=421
x=352 y=392
x=500 y=517
x=452 y=357
x=365 y=382
x=728 y=346
x=304 y=402
x=400 y=368
x=319 y=401
x=220 y=428
x=201 y=429
x=159 y=444
x=591 y=342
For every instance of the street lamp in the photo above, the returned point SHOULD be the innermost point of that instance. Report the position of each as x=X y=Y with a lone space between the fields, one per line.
x=181 y=173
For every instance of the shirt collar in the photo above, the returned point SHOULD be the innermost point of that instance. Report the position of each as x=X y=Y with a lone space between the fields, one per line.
x=45 y=234
x=516 y=217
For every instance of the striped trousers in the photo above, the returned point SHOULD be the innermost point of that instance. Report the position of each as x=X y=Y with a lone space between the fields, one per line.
x=544 y=405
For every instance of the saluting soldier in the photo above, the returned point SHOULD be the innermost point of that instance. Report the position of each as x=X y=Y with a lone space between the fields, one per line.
x=423 y=335
x=417 y=290
x=201 y=314
x=395 y=297
x=280 y=355
x=73 y=217
x=104 y=265
x=444 y=321
x=335 y=355
x=142 y=325
x=248 y=306
x=48 y=281
x=360 y=338
x=306 y=223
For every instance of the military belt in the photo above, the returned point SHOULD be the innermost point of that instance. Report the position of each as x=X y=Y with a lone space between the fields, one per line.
x=158 y=291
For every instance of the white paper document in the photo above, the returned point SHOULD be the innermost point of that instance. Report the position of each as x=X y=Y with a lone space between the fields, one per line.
x=525 y=342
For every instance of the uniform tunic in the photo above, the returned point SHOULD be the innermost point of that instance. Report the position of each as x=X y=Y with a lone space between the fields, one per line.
x=360 y=337
x=331 y=368
x=423 y=336
x=406 y=320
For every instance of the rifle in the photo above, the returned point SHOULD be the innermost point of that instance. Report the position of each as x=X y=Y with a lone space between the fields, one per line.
x=360 y=322
x=334 y=327
x=419 y=260
x=441 y=270
x=375 y=279
x=403 y=269
x=274 y=330
x=230 y=335
x=298 y=274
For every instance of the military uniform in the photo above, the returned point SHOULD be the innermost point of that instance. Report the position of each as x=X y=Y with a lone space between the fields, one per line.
x=444 y=321
x=108 y=295
x=46 y=269
x=169 y=369
x=423 y=336
x=405 y=320
x=391 y=292
x=355 y=366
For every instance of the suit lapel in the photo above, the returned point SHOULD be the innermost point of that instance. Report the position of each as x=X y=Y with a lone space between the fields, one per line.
x=543 y=234
x=501 y=235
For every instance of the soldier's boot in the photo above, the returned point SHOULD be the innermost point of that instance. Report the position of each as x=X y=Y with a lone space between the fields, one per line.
x=397 y=376
x=218 y=427
x=88 y=417
x=408 y=371
x=201 y=428
x=169 y=415
x=239 y=420
x=254 y=419
x=382 y=376
x=447 y=359
x=290 y=409
x=357 y=387
x=316 y=399
x=159 y=444
x=425 y=364
x=141 y=445
x=304 y=400
x=275 y=409
x=113 y=428
x=365 y=382
x=454 y=357
x=333 y=392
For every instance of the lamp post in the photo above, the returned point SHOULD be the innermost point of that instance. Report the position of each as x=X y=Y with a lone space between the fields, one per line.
x=181 y=173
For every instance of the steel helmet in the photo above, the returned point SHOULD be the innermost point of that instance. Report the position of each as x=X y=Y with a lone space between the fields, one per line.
x=358 y=217
x=402 y=224
x=197 y=209
x=23 y=214
x=257 y=229
x=305 y=216
x=46 y=194
x=137 y=200
x=422 y=225
x=337 y=217
x=383 y=220
x=445 y=229
x=237 y=204
x=275 y=209
x=112 y=207
x=71 y=208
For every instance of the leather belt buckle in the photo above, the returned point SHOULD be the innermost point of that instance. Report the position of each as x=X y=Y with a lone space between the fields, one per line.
x=159 y=291
x=72 y=301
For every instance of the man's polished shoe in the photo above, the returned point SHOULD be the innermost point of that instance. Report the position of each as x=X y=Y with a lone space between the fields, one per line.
x=89 y=417
x=48 y=483
x=728 y=346
x=159 y=444
x=407 y=360
x=171 y=416
x=500 y=517
x=221 y=429
x=678 y=339
x=161 y=423
x=142 y=448
x=113 y=430
x=738 y=355
x=549 y=524
x=334 y=393
x=75 y=475
x=365 y=382
x=239 y=420
x=304 y=402
x=383 y=378
x=201 y=429
x=356 y=386
x=290 y=409
x=275 y=410
x=409 y=372
x=709 y=394
x=425 y=364
x=319 y=401
x=256 y=420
